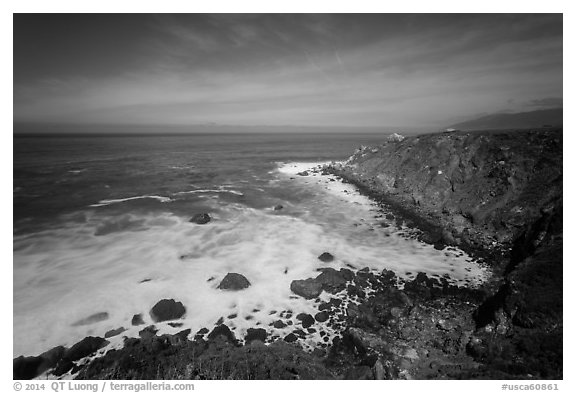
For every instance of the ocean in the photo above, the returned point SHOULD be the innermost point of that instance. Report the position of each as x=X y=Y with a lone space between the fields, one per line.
x=101 y=226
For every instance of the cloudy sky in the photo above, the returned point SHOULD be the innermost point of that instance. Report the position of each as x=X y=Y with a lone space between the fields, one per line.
x=307 y=70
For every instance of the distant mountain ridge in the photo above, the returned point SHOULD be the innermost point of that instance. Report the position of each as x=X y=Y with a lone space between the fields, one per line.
x=532 y=119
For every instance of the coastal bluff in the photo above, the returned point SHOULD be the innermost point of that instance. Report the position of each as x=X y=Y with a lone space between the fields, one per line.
x=497 y=194
x=477 y=190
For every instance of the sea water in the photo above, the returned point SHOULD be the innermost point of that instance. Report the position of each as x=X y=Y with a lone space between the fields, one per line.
x=101 y=225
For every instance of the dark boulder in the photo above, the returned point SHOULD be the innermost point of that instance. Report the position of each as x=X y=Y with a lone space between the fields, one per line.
x=347 y=274
x=224 y=332
x=255 y=335
x=137 y=320
x=332 y=280
x=201 y=218
x=303 y=173
x=114 y=332
x=322 y=316
x=306 y=319
x=279 y=324
x=326 y=257
x=86 y=347
x=167 y=310
x=308 y=288
x=290 y=338
x=278 y=207
x=234 y=282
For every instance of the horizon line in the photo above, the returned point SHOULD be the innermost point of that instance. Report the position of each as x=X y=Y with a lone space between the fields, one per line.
x=21 y=128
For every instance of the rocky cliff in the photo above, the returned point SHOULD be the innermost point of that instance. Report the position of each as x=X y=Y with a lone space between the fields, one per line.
x=478 y=190
x=497 y=194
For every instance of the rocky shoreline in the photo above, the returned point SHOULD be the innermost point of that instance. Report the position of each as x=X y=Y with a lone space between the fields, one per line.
x=508 y=214
x=497 y=195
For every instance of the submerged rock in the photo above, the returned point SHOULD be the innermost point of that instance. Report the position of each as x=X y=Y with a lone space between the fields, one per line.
x=278 y=324
x=98 y=317
x=201 y=218
x=308 y=288
x=167 y=310
x=326 y=257
x=114 y=332
x=234 y=282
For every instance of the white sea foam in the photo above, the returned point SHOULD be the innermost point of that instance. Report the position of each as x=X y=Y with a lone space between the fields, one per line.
x=376 y=241
x=209 y=191
x=293 y=168
x=106 y=202
x=67 y=275
x=347 y=192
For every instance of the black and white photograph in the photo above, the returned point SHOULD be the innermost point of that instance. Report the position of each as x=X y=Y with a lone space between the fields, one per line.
x=287 y=196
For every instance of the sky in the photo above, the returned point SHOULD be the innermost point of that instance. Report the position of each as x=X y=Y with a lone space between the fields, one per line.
x=327 y=70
